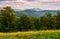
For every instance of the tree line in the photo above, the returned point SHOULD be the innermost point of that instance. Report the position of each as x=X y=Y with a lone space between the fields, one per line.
x=10 y=22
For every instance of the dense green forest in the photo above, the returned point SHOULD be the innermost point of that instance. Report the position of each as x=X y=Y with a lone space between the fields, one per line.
x=10 y=22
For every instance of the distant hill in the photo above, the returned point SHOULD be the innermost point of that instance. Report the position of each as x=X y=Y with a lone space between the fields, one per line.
x=37 y=9
x=35 y=12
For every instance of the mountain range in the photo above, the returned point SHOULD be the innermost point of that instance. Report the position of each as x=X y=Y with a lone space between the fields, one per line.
x=36 y=12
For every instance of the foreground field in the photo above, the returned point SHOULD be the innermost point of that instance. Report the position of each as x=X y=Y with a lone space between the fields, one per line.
x=45 y=34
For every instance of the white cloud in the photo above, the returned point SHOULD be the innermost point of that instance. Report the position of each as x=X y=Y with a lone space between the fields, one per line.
x=22 y=4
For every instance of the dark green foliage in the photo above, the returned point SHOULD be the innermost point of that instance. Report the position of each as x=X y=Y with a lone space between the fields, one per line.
x=44 y=22
x=37 y=23
x=25 y=23
x=7 y=19
x=58 y=20
x=10 y=22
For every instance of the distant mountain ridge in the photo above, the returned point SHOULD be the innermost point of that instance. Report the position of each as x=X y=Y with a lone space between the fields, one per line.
x=36 y=12
x=37 y=9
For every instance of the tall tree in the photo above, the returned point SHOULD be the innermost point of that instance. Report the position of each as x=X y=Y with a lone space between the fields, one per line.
x=49 y=16
x=53 y=22
x=37 y=23
x=58 y=20
x=8 y=18
x=43 y=22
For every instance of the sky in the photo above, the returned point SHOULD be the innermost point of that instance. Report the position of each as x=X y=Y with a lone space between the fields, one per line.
x=27 y=4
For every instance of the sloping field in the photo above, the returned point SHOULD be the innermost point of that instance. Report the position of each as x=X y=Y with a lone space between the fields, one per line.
x=42 y=34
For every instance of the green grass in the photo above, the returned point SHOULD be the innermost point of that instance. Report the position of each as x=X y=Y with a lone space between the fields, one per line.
x=45 y=34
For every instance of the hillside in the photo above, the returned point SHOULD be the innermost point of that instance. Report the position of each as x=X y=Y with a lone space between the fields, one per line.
x=36 y=12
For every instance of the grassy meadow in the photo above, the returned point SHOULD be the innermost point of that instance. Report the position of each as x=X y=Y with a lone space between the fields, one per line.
x=42 y=34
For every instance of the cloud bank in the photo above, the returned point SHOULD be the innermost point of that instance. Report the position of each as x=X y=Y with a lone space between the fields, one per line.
x=25 y=4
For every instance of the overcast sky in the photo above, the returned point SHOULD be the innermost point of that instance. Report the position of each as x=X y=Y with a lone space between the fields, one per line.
x=25 y=4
